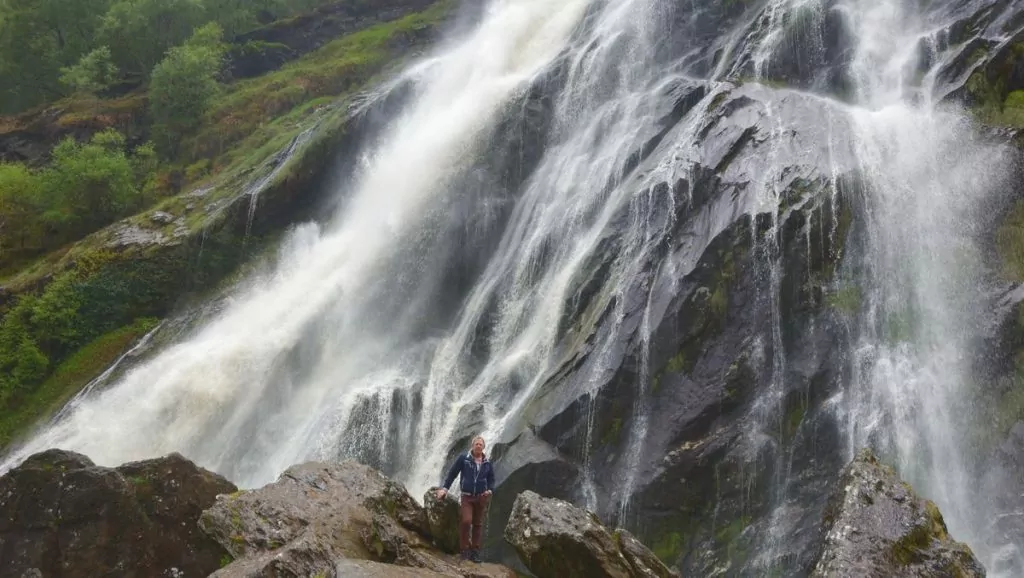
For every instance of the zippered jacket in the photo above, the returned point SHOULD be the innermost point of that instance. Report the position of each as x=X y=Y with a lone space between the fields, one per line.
x=476 y=478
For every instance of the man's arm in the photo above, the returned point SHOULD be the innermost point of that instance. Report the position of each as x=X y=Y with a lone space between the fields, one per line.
x=490 y=478
x=452 y=472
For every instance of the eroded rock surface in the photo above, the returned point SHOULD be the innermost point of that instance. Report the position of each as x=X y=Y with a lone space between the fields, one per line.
x=63 y=516
x=316 y=516
x=556 y=539
x=875 y=525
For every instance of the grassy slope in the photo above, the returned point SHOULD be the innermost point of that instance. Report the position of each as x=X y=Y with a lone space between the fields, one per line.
x=69 y=377
x=251 y=123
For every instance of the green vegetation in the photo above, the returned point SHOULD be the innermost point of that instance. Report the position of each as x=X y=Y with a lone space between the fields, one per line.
x=41 y=41
x=246 y=111
x=24 y=406
x=183 y=87
x=993 y=100
x=909 y=549
x=669 y=547
x=613 y=432
x=846 y=299
x=71 y=302
x=1010 y=244
x=87 y=186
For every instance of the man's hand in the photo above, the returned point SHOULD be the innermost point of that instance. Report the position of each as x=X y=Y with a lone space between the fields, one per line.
x=488 y=493
x=441 y=493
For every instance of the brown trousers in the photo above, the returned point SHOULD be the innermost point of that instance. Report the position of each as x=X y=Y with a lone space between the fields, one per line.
x=473 y=509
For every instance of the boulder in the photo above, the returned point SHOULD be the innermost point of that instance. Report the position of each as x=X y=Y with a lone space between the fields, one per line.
x=316 y=516
x=61 y=515
x=442 y=520
x=555 y=539
x=876 y=525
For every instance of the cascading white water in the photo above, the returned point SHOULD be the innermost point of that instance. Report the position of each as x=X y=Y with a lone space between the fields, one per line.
x=327 y=356
x=222 y=397
x=926 y=177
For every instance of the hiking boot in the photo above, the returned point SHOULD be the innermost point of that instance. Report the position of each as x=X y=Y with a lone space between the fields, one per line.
x=465 y=555
x=474 y=556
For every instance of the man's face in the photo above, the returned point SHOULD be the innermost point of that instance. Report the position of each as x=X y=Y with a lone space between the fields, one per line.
x=478 y=446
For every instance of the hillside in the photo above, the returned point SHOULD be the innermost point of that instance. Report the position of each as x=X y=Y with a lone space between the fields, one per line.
x=255 y=163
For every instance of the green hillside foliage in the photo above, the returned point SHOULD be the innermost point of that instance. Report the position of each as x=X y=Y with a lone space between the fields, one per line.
x=69 y=303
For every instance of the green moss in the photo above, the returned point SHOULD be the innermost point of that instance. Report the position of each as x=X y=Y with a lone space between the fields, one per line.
x=226 y=560
x=656 y=382
x=793 y=418
x=899 y=327
x=669 y=547
x=846 y=300
x=613 y=432
x=1010 y=243
x=678 y=363
x=718 y=100
x=730 y=538
x=69 y=377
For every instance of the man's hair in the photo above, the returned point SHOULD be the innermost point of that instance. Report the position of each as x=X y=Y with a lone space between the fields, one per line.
x=481 y=438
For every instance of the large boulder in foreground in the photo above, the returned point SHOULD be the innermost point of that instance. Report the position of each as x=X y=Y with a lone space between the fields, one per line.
x=443 y=519
x=61 y=515
x=318 y=517
x=555 y=539
x=875 y=525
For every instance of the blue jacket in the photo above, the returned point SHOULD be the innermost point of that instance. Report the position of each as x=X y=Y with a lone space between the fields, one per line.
x=475 y=479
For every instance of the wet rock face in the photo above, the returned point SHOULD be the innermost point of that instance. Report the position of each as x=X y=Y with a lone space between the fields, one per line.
x=875 y=525
x=556 y=539
x=317 y=514
x=61 y=515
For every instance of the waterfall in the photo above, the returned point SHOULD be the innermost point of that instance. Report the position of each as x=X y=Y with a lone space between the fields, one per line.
x=449 y=297
x=926 y=180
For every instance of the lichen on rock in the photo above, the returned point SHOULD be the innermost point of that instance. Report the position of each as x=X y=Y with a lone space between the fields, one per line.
x=555 y=539
x=876 y=525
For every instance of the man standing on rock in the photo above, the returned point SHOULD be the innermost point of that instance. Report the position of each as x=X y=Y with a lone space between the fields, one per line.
x=477 y=486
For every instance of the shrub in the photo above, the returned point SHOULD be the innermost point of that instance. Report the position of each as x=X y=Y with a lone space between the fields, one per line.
x=183 y=86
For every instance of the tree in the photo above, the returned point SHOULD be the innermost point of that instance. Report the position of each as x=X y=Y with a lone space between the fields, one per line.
x=139 y=32
x=37 y=38
x=182 y=87
x=94 y=73
x=20 y=204
x=89 y=185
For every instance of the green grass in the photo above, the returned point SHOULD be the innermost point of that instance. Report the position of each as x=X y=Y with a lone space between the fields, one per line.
x=246 y=111
x=69 y=377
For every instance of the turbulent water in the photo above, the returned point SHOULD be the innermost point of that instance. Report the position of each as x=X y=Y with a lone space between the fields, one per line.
x=359 y=344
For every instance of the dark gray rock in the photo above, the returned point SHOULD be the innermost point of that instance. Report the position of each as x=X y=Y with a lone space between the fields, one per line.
x=63 y=516
x=875 y=525
x=556 y=539
x=316 y=515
